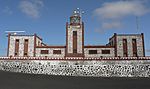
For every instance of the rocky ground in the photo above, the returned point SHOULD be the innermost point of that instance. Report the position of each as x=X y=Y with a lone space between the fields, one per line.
x=10 y=80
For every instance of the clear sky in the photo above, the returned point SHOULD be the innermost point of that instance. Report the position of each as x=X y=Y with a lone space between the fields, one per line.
x=47 y=18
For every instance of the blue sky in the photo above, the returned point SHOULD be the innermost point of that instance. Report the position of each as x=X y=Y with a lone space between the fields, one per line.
x=48 y=19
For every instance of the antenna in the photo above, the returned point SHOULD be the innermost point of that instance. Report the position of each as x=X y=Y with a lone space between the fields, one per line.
x=80 y=12
x=14 y=32
x=137 y=23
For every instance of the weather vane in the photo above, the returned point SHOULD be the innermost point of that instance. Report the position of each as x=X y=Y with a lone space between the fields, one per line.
x=78 y=11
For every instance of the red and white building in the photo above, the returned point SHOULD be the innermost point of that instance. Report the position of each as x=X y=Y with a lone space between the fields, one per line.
x=120 y=45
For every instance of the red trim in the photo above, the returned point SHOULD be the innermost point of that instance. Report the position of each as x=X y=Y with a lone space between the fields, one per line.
x=143 y=44
x=115 y=37
x=134 y=47
x=50 y=46
x=66 y=39
x=34 y=44
x=74 y=37
x=26 y=43
x=8 y=44
x=125 y=49
x=77 y=58
x=83 y=39
x=99 y=46
x=17 y=41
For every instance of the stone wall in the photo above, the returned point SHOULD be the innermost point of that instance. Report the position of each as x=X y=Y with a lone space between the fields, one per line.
x=38 y=42
x=21 y=45
x=70 y=38
x=129 y=44
x=99 y=52
x=132 y=68
x=50 y=54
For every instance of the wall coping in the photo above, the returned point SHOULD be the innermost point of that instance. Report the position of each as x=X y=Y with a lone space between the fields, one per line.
x=76 y=58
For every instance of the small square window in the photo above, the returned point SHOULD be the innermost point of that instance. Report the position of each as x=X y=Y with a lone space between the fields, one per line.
x=56 y=51
x=44 y=51
x=17 y=40
x=125 y=55
x=26 y=41
x=105 y=51
x=135 y=54
x=74 y=50
x=25 y=54
x=74 y=33
x=16 y=54
x=92 y=51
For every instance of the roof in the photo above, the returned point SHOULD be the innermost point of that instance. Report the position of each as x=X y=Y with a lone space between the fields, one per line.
x=26 y=35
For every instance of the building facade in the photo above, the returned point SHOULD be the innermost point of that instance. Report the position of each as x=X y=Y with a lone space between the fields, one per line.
x=120 y=45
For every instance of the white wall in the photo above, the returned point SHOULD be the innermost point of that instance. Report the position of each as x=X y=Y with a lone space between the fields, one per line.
x=99 y=53
x=70 y=38
x=38 y=42
x=129 y=45
x=50 y=54
x=21 y=45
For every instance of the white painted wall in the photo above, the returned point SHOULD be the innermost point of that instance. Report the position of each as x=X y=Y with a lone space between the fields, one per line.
x=50 y=54
x=21 y=45
x=99 y=52
x=38 y=42
x=70 y=38
x=129 y=45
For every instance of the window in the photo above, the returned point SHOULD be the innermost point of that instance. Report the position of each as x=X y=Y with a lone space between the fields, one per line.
x=74 y=41
x=125 y=49
x=26 y=47
x=44 y=51
x=134 y=54
x=16 y=47
x=105 y=51
x=25 y=54
x=26 y=41
x=74 y=50
x=17 y=40
x=134 y=47
x=92 y=51
x=74 y=33
x=56 y=51
x=16 y=54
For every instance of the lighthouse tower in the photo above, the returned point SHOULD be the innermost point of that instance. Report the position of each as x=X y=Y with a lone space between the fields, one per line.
x=75 y=35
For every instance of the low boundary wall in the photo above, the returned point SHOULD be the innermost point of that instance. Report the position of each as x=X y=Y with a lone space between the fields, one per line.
x=94 y=68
